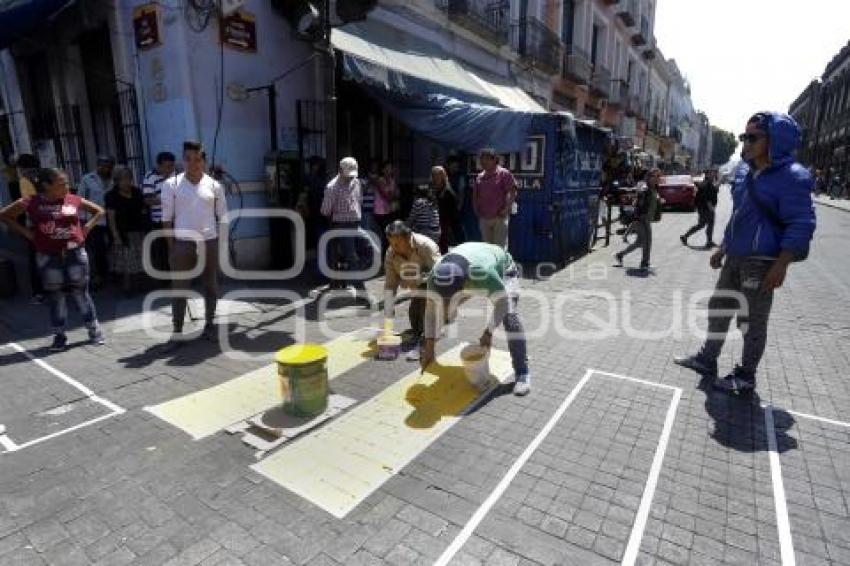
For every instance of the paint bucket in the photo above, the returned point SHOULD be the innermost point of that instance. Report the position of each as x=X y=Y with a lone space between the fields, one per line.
x=476 y=366
x=303 y=373
x=389 y=346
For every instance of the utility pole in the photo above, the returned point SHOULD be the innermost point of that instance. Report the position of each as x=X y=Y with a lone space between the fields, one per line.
x=330 y=89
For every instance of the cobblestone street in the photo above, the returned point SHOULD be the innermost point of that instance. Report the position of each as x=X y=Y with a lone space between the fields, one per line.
x=617 y=455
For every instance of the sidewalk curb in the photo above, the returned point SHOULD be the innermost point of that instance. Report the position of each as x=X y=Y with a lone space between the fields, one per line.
x=835 y=206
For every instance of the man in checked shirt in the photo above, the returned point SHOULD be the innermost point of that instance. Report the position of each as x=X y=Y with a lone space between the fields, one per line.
x=342 y=205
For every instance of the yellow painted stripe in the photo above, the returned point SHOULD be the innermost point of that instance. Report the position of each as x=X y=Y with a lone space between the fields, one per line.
x=339 y=465
x=206 y=412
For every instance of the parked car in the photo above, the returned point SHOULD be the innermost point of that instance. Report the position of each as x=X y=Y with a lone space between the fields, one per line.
x=678 y=191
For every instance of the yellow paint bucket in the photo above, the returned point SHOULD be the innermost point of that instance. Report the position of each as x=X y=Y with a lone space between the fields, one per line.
x=303 y=373
x=476 y=365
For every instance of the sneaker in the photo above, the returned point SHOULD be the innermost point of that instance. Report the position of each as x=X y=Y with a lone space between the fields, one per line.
x=684 y=240
x=710 y=245
x=96 y=337
x=60 y=343
x=697 y=364
x=413 y=355
x=739 y=382
x=522 y=385
x=618 y=260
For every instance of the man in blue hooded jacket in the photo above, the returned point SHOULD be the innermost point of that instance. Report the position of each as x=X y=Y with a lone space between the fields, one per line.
x=772 y=224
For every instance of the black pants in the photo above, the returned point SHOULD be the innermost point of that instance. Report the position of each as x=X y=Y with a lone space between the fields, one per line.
x=97 y=247
x=706 y=220
x=739 y=294
x=159 y=250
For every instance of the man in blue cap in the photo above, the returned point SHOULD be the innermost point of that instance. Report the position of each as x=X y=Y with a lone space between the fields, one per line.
x=772 y=224
x=471 y=268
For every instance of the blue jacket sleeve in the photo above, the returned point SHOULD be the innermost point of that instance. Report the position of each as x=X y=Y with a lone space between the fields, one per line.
x=797 y=212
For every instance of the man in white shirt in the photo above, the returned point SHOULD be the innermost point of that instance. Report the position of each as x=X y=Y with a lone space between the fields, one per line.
x=93 y=187
x=193 y=205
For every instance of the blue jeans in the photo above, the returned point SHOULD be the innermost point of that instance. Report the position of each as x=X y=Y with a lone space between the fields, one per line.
x=67 y=270
x=517 y=345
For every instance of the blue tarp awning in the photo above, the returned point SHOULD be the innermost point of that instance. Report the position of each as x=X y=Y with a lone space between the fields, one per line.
x=20 y=17
x=397 y=61
x=465 y=126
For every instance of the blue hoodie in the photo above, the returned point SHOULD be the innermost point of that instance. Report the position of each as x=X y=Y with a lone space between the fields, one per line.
x=785 y=186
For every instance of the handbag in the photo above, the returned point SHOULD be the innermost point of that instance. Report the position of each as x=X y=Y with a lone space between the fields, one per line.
x=769 y=213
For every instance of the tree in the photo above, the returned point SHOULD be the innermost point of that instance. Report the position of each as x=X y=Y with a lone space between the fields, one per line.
x=723 y=145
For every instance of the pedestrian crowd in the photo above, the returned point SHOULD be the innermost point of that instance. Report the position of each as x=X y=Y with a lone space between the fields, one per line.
x=425 y=239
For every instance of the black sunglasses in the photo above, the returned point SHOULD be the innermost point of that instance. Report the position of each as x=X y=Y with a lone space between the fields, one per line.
x=751 y=138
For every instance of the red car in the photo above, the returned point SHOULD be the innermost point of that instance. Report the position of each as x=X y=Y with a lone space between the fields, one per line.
x=678 y=191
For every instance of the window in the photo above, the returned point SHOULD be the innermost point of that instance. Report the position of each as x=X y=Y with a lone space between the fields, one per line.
x=594 y=44
x=568 y=22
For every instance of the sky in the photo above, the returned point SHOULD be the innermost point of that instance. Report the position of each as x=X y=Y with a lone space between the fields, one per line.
x=742 y=56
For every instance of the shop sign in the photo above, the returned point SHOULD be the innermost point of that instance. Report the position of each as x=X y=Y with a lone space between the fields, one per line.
x=527 y=165
x=146 y=26
x=239 y=31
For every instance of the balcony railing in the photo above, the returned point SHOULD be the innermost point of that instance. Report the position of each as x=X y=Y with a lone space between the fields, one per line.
x=577 y=66
x=601 y=81
x=538 y=44
x=641 y=35
x=627 y=11
x=488 y=18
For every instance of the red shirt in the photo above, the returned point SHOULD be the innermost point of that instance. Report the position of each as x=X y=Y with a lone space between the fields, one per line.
x=493 y=190
x=55 y=223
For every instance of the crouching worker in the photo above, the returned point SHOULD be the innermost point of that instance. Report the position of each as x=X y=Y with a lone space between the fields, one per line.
x=477 y=267
x=407 y=264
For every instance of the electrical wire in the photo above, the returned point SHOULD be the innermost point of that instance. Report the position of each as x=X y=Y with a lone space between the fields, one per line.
x=219 y=100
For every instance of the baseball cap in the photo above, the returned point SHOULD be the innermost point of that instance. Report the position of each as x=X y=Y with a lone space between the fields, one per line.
x=348 y=167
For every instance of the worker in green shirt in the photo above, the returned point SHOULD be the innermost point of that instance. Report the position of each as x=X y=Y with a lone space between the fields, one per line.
x=471 y=268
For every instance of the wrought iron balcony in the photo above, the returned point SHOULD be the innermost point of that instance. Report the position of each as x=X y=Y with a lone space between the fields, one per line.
x=577 y=66
x=627 y=11
x=649 y=50
x=641 y=35
x=601 y=81
x=488 y=18
x=537 y=44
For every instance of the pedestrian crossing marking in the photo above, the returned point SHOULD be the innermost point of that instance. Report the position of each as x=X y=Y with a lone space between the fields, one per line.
x=204 y=413
x=339 y=465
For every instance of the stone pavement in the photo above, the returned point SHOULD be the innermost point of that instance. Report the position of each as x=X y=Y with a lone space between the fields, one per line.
x=131 y=489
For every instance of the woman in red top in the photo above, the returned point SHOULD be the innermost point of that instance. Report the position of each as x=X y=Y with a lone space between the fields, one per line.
x=59 y=237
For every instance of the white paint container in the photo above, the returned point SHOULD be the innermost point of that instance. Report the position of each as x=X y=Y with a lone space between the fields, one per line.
x=476 y=366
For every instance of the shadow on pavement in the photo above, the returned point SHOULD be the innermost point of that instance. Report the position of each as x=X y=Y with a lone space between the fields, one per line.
x=739 y=421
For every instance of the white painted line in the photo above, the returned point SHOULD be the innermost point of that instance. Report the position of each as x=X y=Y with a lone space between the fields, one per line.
x=64 y=431
x=786 y=546
x=69 y=380
x=812 y=417
x=6 y=442
x=633 y=547
x=631 y=553
x=636 y=380
x=482 y=511
x=10 y=446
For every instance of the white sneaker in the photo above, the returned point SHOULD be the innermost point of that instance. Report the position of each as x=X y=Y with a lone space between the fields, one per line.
x=413 y=355
x=522 y=385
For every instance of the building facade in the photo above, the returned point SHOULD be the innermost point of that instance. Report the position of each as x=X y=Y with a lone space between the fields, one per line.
x=823 y=112
x=131 y=78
